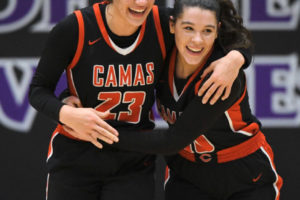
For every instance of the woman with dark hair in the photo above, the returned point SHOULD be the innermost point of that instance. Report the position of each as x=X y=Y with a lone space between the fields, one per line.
x=112 y=53
x=229 y=158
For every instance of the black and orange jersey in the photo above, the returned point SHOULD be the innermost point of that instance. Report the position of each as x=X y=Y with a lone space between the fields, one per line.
x=227 y=123
x=122 y=80
x=106 y=71
x=222 y=132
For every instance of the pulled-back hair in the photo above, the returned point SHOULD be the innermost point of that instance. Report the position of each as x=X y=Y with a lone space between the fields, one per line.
x=232 y=33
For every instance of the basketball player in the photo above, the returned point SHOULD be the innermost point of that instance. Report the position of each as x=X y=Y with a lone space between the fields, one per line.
x=113 y=54
x=230 y=158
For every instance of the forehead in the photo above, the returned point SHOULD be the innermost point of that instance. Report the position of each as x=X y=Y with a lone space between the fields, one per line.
x=198 y=15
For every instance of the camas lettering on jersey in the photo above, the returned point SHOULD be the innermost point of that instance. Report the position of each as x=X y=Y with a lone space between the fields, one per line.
x=108 y=77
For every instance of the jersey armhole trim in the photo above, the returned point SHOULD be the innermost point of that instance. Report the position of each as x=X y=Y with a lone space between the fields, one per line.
x=80 y=42
x=159 y=31
x=78 y=52
x=242 y=97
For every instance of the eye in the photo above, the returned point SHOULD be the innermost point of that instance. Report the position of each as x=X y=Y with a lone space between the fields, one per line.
x=188 y=28
x=207 y=31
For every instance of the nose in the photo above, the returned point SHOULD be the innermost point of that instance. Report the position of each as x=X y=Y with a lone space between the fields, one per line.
x=197 y=38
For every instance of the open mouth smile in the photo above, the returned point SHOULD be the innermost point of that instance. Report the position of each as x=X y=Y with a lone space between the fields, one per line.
x=194 y=50
x=137 y=11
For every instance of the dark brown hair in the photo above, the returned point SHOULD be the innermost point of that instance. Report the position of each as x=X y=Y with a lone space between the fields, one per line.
x=232 y=33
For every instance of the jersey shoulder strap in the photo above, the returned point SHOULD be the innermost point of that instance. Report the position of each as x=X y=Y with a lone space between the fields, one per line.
x=80 y=41
x=78 y=52
x=159 y=31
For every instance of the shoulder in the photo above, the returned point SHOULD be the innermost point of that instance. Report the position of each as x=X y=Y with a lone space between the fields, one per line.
x=64 y=33
x=89 y=11
x=164 y=14
x=68 y=24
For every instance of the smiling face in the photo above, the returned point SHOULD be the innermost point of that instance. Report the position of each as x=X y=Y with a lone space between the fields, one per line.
x=132 y=12
x=195 y=32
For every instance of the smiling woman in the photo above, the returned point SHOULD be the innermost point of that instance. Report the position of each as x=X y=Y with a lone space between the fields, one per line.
x=213 y=151
x=195 y=35
x=112 y=53
x=124 y=17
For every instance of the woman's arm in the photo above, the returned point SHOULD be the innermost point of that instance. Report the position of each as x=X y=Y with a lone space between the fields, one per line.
x=190 y=125
x=58 y=53
x=224 y=72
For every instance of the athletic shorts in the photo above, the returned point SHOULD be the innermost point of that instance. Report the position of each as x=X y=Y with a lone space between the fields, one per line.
x=251 y=178
x=78 y=170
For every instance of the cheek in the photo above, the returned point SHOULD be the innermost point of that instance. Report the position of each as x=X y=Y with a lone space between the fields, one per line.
x=180 y=43
x=210 y=41
x=121 y=8
x=181 y=38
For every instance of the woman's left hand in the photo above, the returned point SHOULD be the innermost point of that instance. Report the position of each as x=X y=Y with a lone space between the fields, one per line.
x=224 y=72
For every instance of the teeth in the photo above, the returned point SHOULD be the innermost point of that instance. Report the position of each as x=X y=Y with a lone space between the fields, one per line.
x=195 y=50
x=138 y=10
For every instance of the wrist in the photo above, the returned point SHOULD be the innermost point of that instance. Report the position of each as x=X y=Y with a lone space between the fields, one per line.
x=64 y=113
x=237 y=58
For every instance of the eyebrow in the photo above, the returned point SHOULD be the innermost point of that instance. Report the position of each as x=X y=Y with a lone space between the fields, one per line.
x=190 y=23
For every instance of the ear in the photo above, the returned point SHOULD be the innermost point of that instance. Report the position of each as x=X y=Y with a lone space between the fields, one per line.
x=172 y=25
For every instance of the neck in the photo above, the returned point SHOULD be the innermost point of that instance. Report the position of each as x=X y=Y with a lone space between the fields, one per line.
x=117 y=24
x=183 y=69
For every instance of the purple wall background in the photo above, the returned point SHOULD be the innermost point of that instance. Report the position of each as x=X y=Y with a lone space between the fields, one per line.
x=273 y=80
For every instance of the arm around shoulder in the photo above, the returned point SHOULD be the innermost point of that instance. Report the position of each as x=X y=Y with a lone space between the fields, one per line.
x=196 y=119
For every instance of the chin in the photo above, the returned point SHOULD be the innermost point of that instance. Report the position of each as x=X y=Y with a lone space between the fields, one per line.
x=135 y=22
x=193 y=61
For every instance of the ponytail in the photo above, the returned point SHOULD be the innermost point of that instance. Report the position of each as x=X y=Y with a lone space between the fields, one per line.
x=232 y=33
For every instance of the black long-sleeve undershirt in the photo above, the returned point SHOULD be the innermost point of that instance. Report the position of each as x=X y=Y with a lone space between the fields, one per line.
x=196 y=119
x=58 y=53
x=56 y=56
